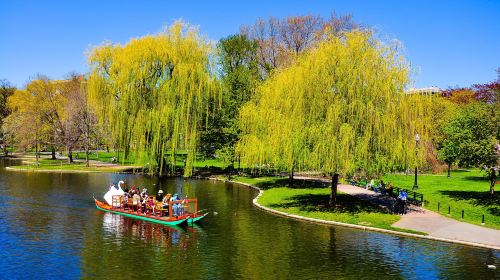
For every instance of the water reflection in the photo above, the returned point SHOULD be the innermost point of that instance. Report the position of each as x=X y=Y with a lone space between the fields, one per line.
x=122 y=228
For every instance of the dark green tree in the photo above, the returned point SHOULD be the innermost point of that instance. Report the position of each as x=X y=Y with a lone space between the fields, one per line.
x=471 y=139
x=238 y=66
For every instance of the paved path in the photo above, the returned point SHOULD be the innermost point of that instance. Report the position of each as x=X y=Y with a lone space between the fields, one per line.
x=423 y=220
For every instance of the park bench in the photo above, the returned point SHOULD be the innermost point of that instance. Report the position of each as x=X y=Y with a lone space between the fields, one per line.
x=414 y=198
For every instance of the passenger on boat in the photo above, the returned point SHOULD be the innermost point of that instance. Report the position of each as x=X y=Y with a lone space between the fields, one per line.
x=185 y=201
x=125 y=199
x=164 y=204
x=175 y=206
x=159 y=196
x=136 y=201
x=151 y=204
x=144 y=198
x=180 y=207
x=131 y=192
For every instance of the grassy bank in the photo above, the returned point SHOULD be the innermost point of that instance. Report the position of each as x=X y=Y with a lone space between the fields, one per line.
x=103 y=162
x=311 y=200
x=465 y=189
x=62 y=165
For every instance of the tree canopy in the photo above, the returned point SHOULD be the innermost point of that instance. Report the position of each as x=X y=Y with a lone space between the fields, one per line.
x=471 y=137
x=28 y=124
x=47 y=112
x=339 y=108
x=153 y=92
x=239 y=76
x=6 y=90
x=280 y=40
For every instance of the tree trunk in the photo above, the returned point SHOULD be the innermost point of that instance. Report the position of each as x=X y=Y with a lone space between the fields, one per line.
x=493 y=179
x=36 y=152
x=87 y=156
x=53 y=150
x=174 y=164
x=333 y=195
x=239 y=163
x=290 y=178
x=70 y=156
x=449 y=167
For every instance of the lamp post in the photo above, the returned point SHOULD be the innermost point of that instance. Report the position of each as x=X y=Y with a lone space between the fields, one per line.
x=417 y=139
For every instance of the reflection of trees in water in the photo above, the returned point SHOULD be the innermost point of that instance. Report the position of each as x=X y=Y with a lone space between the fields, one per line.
x=124 y=247
x=387 y=256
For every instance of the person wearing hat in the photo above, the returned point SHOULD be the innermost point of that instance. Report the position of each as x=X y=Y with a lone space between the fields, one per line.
x=159 y=196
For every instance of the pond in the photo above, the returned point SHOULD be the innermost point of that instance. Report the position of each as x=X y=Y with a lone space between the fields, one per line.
x=50 y=228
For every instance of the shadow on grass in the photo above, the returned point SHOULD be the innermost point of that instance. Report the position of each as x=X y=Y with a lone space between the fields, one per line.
x=484 y=199
x=460 y=171
x=476 y=178
x=319 y=203
x=297 y=184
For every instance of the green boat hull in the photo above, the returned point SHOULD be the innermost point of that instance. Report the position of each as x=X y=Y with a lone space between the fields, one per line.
x=168 y=223
x=194 y=220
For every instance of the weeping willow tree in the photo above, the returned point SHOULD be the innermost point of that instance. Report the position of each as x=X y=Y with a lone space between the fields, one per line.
x=153 y=93
x=339 y=108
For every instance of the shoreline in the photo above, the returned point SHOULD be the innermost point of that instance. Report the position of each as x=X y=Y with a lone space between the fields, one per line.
x=14 y=169
x=359 y=227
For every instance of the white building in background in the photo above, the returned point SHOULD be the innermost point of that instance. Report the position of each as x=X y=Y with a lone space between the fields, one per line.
x=424 y=91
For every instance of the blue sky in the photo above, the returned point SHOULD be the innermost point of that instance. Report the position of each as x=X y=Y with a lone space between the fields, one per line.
x=449 y=43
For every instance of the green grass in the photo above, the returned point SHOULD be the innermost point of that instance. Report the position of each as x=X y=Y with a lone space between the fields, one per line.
x=46 y=163
x=108 y=157
x=311 y=200
x=465 y=189
x=201 y=163
x=70 y=167
x=262 y=182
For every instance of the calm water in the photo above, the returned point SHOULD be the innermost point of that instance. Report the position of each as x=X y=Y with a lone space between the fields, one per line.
x=49 y=228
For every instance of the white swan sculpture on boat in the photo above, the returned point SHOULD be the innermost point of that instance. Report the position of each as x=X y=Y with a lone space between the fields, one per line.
x=114 y=190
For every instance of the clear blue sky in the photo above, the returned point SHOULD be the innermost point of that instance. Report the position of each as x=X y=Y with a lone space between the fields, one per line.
x=449 y=42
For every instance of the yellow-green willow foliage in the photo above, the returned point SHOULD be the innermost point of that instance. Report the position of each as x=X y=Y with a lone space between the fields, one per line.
x=340 y=108
x=153 y=92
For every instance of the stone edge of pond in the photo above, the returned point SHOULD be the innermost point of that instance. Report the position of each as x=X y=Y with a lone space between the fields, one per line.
x=326 y=222
x=13 y=168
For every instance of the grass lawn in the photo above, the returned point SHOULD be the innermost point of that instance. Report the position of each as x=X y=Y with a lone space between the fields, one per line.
x=46 y=163
x=465 y=189
x=71 y=167
x=311 y=200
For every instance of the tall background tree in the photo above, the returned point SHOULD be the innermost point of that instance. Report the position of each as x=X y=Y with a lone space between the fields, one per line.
x=279 y=41
x=154 y=92
x=26 y=126
x=50 y=113
x=472 y=138
x=6 y=90
x=339 y=108
x=246 y=59
x=237 y=60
